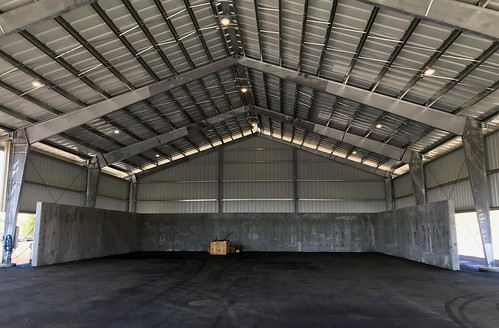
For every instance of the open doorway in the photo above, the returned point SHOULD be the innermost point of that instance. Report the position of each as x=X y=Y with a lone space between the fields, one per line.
x=469 y=242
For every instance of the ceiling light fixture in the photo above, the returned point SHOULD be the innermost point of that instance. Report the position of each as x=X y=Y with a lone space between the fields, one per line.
x=225 y=21
x=157 y=155
x=354 y=152
x=36 y=84
x=379 y=126
x=244 y=90
x=116 y=131
x=429 y=71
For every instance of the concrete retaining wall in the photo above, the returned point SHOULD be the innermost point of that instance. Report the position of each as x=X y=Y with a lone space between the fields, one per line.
x=66 y=233
x=280 y=232
x=424 y=233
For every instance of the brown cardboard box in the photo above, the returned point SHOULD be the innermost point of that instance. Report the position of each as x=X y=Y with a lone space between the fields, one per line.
x=219 y=248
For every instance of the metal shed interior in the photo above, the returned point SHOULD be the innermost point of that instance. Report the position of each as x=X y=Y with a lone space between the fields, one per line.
x=250 y=106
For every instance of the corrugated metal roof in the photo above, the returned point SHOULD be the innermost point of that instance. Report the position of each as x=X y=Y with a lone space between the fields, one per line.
x=112 y=47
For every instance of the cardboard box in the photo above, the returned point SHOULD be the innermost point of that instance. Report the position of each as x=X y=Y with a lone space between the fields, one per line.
x=219 y=248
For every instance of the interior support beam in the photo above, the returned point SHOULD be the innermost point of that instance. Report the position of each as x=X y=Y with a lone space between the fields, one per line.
x=84 y=115
x=452 y=13
x=374 y=146
x=17 y=151
x=93 y=175
x=20 y=18
x=474 y=151
x=432 y=117
x=137 y=148
x=220 y=180
x=357 y=165
x=389 y=194
x=132 y=194
x=417 y=177
x=295 y=179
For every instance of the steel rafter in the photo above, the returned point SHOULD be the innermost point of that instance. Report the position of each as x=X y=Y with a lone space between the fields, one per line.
x=432 y=117
x=362 y=41
x=390 y=151
x=79 y=117
x=408 y=33
x=452 y=13
x=420 y=73
x=20 y=18
x=463 y=74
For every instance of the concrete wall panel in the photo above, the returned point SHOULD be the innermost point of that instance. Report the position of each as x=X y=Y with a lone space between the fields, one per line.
x=69 y=233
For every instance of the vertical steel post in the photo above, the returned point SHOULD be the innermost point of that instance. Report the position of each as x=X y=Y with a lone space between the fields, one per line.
x=295 y=180
x=417 y=176
x=220 y=180
x=4 y=173
x=132 y=194
x=474 y=151
x=93 y=175
x=18 y=154
x=389 y=193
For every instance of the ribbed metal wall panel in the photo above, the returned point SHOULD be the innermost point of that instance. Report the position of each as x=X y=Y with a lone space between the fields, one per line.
x=176 y=207
x=347 y=190
x=110 y=203
x=258 y=155
x=402 y=186
x=113 y=187
x=312 y=167
x=33 y=193
x=459 y=192
x=405 y=202
x=258 y=190
x=54 y=172
x=191 y=171
x=492 y=146
x=258 y=176
x=494 y=189
x=371 y=206
x=445 y=169
x=258 y=171
x=177 y=190
x=258 y=206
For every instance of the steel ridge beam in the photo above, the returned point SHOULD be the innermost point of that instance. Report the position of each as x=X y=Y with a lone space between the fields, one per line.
x=360 y=166
x=432 y=117
x=459 y=15
x=84 y=115
x=20 y=18
x=374 y=146
x=107 y=159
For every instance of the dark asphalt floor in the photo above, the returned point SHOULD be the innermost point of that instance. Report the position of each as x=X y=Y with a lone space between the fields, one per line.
x=248 y=290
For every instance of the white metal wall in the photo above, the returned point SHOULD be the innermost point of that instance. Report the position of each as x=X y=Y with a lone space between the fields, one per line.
x=49 y=179
x=258 y=177
x=447 y=178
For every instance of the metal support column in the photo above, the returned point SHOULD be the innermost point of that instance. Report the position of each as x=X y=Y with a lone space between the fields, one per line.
x=220 y=180
x=132 y=194
x=4 y=173
x=18 y=154
x=389 y=194
x=295 y=180
x=93 y=175
x=417 y=176
x=474 y=151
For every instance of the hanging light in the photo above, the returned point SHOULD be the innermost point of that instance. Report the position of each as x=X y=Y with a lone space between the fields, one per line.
x=36 y=84
x=116 y=131
x=379 y=126
x=429 y=71
x=244 y=90
x=225 y=21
